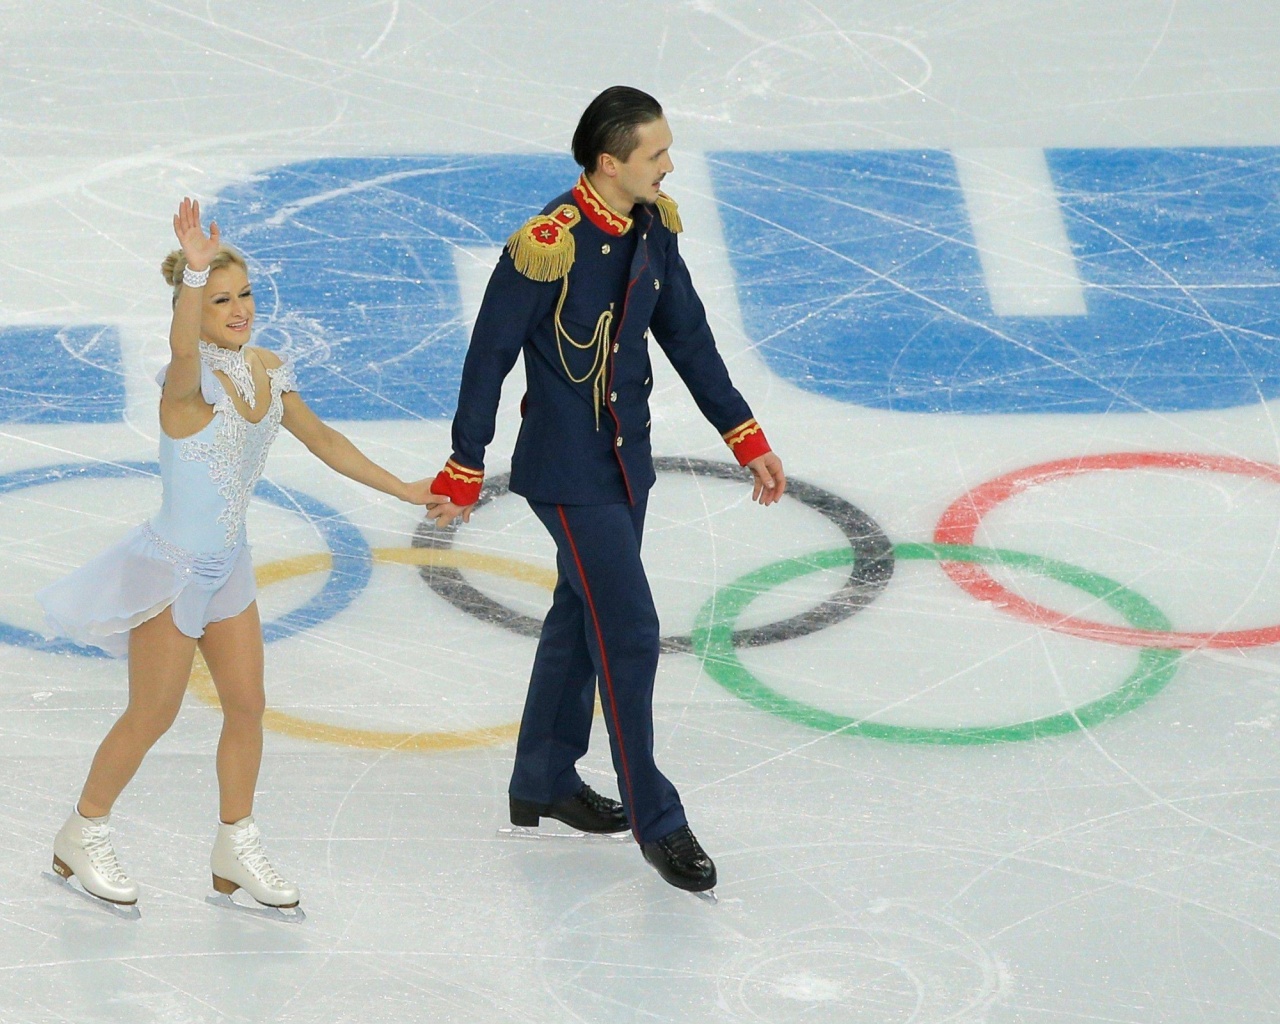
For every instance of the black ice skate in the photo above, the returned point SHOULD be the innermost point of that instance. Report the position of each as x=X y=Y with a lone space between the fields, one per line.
x=682 y=862
x=586 y=812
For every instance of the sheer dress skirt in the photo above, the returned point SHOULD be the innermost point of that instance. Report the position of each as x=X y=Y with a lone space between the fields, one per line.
x=139 y=577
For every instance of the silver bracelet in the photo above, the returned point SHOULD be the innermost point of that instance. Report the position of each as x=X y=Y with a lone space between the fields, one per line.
x=195 y=278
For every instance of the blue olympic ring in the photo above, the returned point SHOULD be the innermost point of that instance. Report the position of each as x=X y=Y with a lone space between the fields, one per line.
x=352 y=559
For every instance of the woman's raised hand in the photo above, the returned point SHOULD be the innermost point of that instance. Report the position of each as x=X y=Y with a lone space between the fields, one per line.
x=197 y=247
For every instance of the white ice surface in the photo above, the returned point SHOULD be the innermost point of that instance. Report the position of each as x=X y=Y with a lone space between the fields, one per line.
x=1125 y=873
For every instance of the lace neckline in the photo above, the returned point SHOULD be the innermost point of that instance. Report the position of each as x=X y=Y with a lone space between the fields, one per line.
x=233 y=363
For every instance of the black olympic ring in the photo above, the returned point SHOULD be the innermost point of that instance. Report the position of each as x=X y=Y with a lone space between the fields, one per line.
x=869 y=573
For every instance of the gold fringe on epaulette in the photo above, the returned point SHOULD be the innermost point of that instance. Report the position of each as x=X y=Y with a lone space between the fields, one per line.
x=543 y=248
x=670 y=213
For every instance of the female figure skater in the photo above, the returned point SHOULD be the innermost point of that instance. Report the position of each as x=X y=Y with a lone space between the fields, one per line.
x=185 y=580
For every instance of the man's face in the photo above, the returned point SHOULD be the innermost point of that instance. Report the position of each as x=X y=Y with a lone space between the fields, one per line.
x=640 y=176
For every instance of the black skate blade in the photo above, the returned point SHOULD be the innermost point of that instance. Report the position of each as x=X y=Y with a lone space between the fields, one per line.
x=287 y=915
x=125 y=912
x=537 y=834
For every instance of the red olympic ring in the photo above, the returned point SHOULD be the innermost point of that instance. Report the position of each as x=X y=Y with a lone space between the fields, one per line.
x=959 y=524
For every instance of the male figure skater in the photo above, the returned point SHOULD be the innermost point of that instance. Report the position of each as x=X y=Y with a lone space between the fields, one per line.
x=577 y=289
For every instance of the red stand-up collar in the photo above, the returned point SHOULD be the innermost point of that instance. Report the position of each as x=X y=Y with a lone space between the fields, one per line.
x=597 y=210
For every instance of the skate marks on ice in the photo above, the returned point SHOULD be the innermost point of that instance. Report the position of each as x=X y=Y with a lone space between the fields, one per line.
x=1009 y=281
x=808 y=959
x=891 y=962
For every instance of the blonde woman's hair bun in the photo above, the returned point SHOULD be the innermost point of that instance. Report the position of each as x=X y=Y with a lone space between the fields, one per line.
x=176 y=262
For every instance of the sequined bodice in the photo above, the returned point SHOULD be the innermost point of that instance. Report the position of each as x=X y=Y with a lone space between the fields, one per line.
x=209 y=477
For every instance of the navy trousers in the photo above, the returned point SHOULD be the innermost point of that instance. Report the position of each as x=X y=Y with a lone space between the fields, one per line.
x=602 y=627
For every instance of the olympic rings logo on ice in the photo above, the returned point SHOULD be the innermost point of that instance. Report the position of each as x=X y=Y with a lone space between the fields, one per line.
x=960 y=522
x=868 y=559
x=712 y=641
x=869 y=568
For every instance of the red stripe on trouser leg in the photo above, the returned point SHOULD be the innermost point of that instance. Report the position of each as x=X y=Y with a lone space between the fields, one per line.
x=604 y=668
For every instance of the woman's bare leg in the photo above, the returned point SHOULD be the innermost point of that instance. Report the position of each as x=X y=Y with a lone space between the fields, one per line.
x=160 y=659
x=232 y=649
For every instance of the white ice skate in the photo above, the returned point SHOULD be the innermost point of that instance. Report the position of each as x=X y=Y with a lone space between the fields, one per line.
x=239 y=862
x=82 y=850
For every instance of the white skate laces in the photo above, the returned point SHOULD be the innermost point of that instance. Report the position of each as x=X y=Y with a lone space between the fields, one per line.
x=97 y=844
x=83 y=848
x=239 y=862
x=248 y=846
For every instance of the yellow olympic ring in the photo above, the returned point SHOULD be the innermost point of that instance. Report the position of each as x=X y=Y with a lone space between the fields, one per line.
x=201 y=682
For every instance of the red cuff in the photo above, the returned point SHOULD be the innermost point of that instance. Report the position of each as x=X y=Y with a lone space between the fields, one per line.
x=462 y=485
x=747 y=442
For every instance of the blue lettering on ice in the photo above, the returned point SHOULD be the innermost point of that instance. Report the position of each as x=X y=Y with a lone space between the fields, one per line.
x=858 y=279
x=354 y=272
x=857 y=274
x=61 y=375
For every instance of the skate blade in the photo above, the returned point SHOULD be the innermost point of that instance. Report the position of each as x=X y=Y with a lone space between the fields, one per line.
x=129 y=912
x=529 y=832
x=708 y=896
x=248 y=905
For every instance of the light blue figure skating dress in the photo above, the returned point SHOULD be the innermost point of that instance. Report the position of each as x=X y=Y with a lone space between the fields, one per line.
x=192 y=555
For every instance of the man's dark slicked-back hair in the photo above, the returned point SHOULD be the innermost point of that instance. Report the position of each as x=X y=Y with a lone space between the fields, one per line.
x=609 y=124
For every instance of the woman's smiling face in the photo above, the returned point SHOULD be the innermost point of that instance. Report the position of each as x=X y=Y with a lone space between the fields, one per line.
x=226 y=318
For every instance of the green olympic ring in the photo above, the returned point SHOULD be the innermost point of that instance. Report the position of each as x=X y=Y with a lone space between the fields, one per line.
x=713 y=643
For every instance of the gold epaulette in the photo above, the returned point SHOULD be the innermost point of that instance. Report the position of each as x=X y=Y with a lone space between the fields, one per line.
x=670 y=213
x=543 y=248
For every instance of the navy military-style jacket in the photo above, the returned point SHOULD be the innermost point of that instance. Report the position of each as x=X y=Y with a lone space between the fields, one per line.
x=577 y=290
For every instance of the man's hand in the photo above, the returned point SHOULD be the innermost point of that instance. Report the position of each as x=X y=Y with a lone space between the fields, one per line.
x=770 y=482
x=442 y=511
